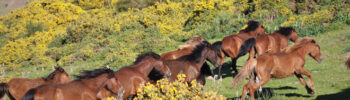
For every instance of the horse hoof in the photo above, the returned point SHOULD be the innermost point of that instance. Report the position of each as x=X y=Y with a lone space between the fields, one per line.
x=311 y=92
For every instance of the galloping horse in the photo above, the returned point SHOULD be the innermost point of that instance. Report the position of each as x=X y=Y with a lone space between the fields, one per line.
x=131 y=77
x=275 y=41
x=191 y=64
x=239 y=44
x=185 y=50
x=279 y=65
x=17 y=87
x=85 y=87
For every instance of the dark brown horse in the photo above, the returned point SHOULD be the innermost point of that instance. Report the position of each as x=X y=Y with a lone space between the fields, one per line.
x=275 y=41
x=239 y=44
x=279 y=65
x=187 y=49
x=85 y=87
x=17 y=87
x=191 y=64
x=131 y=77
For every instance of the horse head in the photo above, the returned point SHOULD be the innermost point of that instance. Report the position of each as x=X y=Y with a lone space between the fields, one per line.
x=58 y=76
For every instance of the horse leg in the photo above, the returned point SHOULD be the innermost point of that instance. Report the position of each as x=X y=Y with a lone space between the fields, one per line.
x=201 y=79
x=234 y=66
x=245 y=89
x=221 y=63
x=262 y=77
x=309 y=87
x=220 y=77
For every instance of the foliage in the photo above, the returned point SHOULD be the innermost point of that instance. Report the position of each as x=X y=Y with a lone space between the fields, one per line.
x=113 y=32
x=176 y=90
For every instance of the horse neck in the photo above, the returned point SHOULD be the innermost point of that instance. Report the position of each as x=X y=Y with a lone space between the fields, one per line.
x=204 y=56
x=50 y=81
x=144 y=68
x=97 y=83
x=283 y=38
x=303 y=51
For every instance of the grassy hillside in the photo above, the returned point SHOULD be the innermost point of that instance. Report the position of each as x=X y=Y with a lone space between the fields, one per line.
x=88 y=34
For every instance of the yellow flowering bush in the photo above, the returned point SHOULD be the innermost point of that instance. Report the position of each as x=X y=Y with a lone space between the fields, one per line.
x=113 y=32
x=177 y=90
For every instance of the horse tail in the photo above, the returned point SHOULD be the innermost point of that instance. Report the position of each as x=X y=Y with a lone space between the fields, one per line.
x=29 y=95
x=4 y=89
x=247 y=45
x=218 y=46
x=247 y=69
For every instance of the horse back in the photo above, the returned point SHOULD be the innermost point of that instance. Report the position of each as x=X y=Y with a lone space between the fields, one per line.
x=176 y=53
x=19 y=86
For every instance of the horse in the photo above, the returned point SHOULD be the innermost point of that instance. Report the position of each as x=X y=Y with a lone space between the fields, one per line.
x=131 y=77
x=275 y=41
x=17 y=87
x=239 y=44
x=185 y=50
x=191 y=64
x=279 y=65
x=85 y=87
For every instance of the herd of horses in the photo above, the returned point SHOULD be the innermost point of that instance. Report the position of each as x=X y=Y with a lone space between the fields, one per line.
x=269 y=57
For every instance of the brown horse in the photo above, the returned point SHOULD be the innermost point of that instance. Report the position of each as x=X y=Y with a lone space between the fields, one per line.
x=131 y=77
x=279 y=65
x=17 y=87
x=239 y=44
x=85 y=87
x=191 y=64
x=183 y=49
x=275 y=41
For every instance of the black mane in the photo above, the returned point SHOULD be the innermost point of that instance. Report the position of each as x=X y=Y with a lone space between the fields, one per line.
x=286 y=31
x=94 y=73
x=52 y=75
x=252 y=25
x=196 y=54
x=146 y=55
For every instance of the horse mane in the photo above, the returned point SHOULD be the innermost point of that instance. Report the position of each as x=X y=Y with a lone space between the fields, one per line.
x=299 y=44
x=52 y=75
x=94 y=73
x=146 y=55
x=252 y=25
x=196 y=54
x=286 y=31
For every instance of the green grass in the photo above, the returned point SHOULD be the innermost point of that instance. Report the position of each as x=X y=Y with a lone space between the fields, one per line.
x=331 y=78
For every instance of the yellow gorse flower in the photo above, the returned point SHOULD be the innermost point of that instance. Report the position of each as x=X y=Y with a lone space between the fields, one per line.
x=175 y=90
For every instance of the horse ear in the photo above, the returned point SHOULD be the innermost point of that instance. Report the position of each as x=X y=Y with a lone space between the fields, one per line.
x=313 y=41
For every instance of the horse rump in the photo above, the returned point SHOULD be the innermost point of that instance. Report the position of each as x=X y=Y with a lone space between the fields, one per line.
x=29 y=95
